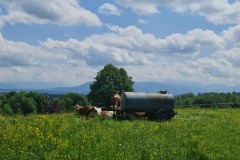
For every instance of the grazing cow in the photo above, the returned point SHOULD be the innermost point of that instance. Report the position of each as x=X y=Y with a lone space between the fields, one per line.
x=107 y=113
x=89 y=111
x=82 y=110
x=116 y=101
x=98 y=111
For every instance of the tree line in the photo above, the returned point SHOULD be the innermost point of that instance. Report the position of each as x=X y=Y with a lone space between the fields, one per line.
x=208 y=100
x=108 y=81
x=25 y=103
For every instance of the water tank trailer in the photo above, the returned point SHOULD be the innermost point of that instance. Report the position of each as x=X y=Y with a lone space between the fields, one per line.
x=157 y=106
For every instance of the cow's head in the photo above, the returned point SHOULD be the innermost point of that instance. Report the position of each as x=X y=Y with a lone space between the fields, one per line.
x=82 y=110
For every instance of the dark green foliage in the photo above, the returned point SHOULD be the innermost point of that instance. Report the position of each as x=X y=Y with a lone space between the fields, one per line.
x=17 y=103
x=53 y=106
x=7 y=110
x=33 y=102
x=70 y=100
x=109 y=80
x=208 y=100
x=40 y=100
x=27 y=106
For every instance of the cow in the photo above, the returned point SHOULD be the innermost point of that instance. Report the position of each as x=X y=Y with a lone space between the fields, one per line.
x=103 y=113
x=82 y=110
x=116 y=101
x=89 y=111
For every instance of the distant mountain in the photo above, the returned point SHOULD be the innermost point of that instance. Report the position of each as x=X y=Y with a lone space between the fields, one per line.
x=29 y=85
x=82 y=89
x=175 y=89
x=5 y=85
x=221 y=88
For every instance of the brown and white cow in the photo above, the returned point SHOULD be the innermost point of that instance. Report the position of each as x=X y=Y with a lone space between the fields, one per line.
x=116 y=101
x=90 y=111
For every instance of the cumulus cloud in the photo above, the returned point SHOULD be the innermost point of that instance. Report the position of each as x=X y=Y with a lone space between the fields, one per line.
x=109 y=9
x=21 y=61
x=178 y=56
x=131 y=46
x=232 y=56
x=143 y=7
x=192 y=43
x=232 y=34
x=12 y=53
x=215 y=11
x=44 y=11
x=156 y=58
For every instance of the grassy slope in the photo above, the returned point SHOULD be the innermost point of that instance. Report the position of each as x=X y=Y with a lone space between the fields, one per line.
x=192 y=134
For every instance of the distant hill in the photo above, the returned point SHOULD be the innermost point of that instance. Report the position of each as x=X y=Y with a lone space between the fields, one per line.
x=82 y=89
x=29 y=85
x=7 y=86
x=175 y=89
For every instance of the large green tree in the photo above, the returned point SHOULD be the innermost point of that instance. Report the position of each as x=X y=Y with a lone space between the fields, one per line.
x=109 y=80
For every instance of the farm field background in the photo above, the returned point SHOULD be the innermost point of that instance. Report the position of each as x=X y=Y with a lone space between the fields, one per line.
x=192 y=134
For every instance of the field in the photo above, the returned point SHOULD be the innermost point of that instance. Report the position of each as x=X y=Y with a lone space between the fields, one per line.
x=193 y=134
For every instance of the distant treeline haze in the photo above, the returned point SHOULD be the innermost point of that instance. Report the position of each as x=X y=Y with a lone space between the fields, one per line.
x=208 y=100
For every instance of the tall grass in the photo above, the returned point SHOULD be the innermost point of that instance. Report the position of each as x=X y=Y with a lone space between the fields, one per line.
x=192 y=134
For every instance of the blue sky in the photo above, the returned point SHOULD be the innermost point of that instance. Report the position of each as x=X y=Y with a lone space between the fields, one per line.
x=69 y=41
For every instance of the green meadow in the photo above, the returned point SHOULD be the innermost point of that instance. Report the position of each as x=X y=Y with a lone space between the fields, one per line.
x=192 y=134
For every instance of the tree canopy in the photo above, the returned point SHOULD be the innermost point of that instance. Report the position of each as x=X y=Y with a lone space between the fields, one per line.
x=70 y=100
x=13 y=102
x=208 y=100
x=109 y=80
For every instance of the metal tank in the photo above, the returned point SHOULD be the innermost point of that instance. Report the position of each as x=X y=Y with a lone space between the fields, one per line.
x=146 y=102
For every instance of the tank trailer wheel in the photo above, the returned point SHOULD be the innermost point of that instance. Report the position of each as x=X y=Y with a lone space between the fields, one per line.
x=163 y=115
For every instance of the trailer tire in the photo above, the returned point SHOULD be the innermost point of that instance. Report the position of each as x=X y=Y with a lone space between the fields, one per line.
x=163 y=115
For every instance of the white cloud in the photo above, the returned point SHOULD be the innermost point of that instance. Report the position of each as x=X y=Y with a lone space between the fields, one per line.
x=216 y=70
x=192 y=43
x=55 y=11
x=215 y=11
x=131 y=46
x=109 y=9
x=176 y=57
x=16 y=54
x=232 y=34
x=232 y=56
x=122 y=46
x=143 y=7
x=142 y=21
x=21 y=61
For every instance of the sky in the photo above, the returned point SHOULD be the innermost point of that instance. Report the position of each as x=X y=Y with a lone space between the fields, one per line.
x=69 y=41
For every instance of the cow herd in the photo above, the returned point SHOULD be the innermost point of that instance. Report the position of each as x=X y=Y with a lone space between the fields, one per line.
x=90 y=111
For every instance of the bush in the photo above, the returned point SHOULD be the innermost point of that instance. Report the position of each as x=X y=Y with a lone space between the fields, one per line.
x=7 y=110
x=209 y=100
x=70 y=100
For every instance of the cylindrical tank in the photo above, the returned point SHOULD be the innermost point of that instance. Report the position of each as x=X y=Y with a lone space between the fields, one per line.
x=146 y=102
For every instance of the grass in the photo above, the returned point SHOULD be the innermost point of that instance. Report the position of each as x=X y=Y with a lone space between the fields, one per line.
x=192 y=134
